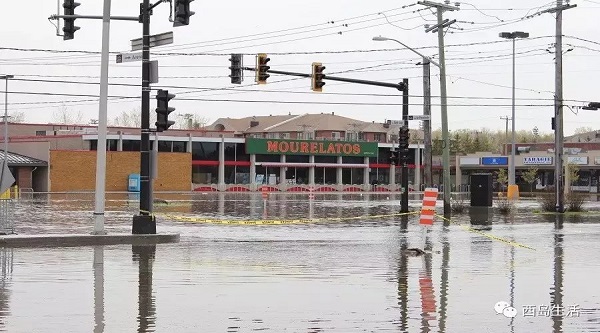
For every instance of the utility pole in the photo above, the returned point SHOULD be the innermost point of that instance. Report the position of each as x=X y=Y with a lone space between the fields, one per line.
x=100 y=197
x=507 y=118
x=439 y=28
x=427 y=160
x=558 y=107
x=427 y=61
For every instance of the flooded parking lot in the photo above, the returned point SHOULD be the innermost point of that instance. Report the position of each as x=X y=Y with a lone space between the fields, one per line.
x=337 y=275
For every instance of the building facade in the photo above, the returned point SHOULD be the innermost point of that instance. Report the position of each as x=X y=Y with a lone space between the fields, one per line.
x=320 y=152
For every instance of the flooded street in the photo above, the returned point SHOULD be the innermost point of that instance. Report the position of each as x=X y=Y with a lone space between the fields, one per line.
x=337 y=275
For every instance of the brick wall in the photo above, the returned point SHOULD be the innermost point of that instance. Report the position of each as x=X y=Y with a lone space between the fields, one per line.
x=24 y=177
x=76 y=170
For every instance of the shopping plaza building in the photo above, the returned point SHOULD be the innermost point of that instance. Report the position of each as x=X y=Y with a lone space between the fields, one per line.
x=320 y=152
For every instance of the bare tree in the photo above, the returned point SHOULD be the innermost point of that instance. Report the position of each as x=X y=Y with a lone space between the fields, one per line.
x=65 y=116
x=583 y=130
x=132 y=118
x=17 y=117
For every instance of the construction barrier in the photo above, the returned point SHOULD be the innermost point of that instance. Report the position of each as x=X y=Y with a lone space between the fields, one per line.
x=428 y=209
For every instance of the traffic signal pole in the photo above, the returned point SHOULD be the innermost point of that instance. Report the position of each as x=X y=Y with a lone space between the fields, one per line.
x=402 y=86
x=145 y=223
x=404 y=178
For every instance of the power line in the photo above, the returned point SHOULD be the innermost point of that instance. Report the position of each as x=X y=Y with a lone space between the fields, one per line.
x=268 y=101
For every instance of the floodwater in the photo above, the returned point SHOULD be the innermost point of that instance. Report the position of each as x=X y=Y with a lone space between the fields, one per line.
x=331 y=276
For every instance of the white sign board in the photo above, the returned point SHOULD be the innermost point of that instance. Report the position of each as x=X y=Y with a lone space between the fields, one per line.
x=577 y=160
x=537 y=160
x=129 y=57
x=397 y=122
x=469 y=161
x=155 y=40
x=596 y=160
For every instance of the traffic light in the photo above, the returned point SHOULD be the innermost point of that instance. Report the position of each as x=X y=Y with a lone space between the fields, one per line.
x=403 y=137
x=69 y=28
x=182 y=13
x=394 y=157
x=236 y=68
x=262 y=68
x=317 y=77
x=162 y=110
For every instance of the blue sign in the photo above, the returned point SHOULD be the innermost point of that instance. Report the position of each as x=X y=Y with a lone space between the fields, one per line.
x=499 y=160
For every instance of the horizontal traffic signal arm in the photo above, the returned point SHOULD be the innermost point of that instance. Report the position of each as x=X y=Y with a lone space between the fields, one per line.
x=400 y=86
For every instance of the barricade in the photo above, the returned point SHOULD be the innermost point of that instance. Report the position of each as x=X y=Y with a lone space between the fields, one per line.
x=428 y=209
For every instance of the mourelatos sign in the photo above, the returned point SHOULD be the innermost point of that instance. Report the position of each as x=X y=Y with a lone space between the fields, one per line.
x=310 y=147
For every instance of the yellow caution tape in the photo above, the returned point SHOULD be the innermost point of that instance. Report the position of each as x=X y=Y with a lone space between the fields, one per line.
x=276 y=222
x=192 y=219
x=506 y=241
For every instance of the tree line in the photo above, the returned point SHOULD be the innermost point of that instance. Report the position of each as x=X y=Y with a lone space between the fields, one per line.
x=466 y=141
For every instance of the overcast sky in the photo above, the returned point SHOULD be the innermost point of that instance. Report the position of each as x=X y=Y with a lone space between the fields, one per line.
x=337 y=33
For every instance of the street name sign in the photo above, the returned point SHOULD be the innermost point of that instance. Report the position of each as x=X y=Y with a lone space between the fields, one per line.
x=155 y=40
x=396 y=122
x=417 y=117
x=129 y=57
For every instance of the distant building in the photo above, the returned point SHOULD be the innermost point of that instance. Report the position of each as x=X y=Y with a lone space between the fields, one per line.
x=325 y=152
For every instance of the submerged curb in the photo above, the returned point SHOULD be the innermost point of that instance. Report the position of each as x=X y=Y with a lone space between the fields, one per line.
x=70 y=240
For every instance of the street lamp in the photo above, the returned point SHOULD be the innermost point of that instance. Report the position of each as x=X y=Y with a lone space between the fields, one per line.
x=382 y=39
x=512 y=187
x=5 y=162
x=427 y=104
x=6 y=77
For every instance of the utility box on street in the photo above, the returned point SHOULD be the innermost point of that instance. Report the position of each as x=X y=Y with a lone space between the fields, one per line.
x=481 y=190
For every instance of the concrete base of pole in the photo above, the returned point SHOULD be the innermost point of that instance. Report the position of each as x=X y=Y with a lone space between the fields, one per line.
x=144 y=224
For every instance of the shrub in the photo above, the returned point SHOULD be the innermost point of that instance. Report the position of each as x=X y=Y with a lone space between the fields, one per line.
x=547 y=201
x=505 y=206
x=457 y=205
x=575 y=201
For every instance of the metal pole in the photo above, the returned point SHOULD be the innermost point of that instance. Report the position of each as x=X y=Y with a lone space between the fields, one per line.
x=511 y=169
x=6 y=77
x=102 y=119
x=427 y=160
x=404 y=198
x=505 y=136
x=558 y=115
x=418 y=167
x=5 y=161
x=144 y=223
x=444 y=107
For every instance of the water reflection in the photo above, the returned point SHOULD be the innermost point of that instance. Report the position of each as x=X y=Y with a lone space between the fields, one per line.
x=403 y=284
x=428 y=305
x=144 y=255
x=6 y=263
x=98 y=267
x=556 y=292
x=444 y=282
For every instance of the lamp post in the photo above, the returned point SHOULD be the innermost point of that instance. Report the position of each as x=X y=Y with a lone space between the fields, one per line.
x=6 y=77
x=511 y=169
x=427 y=123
